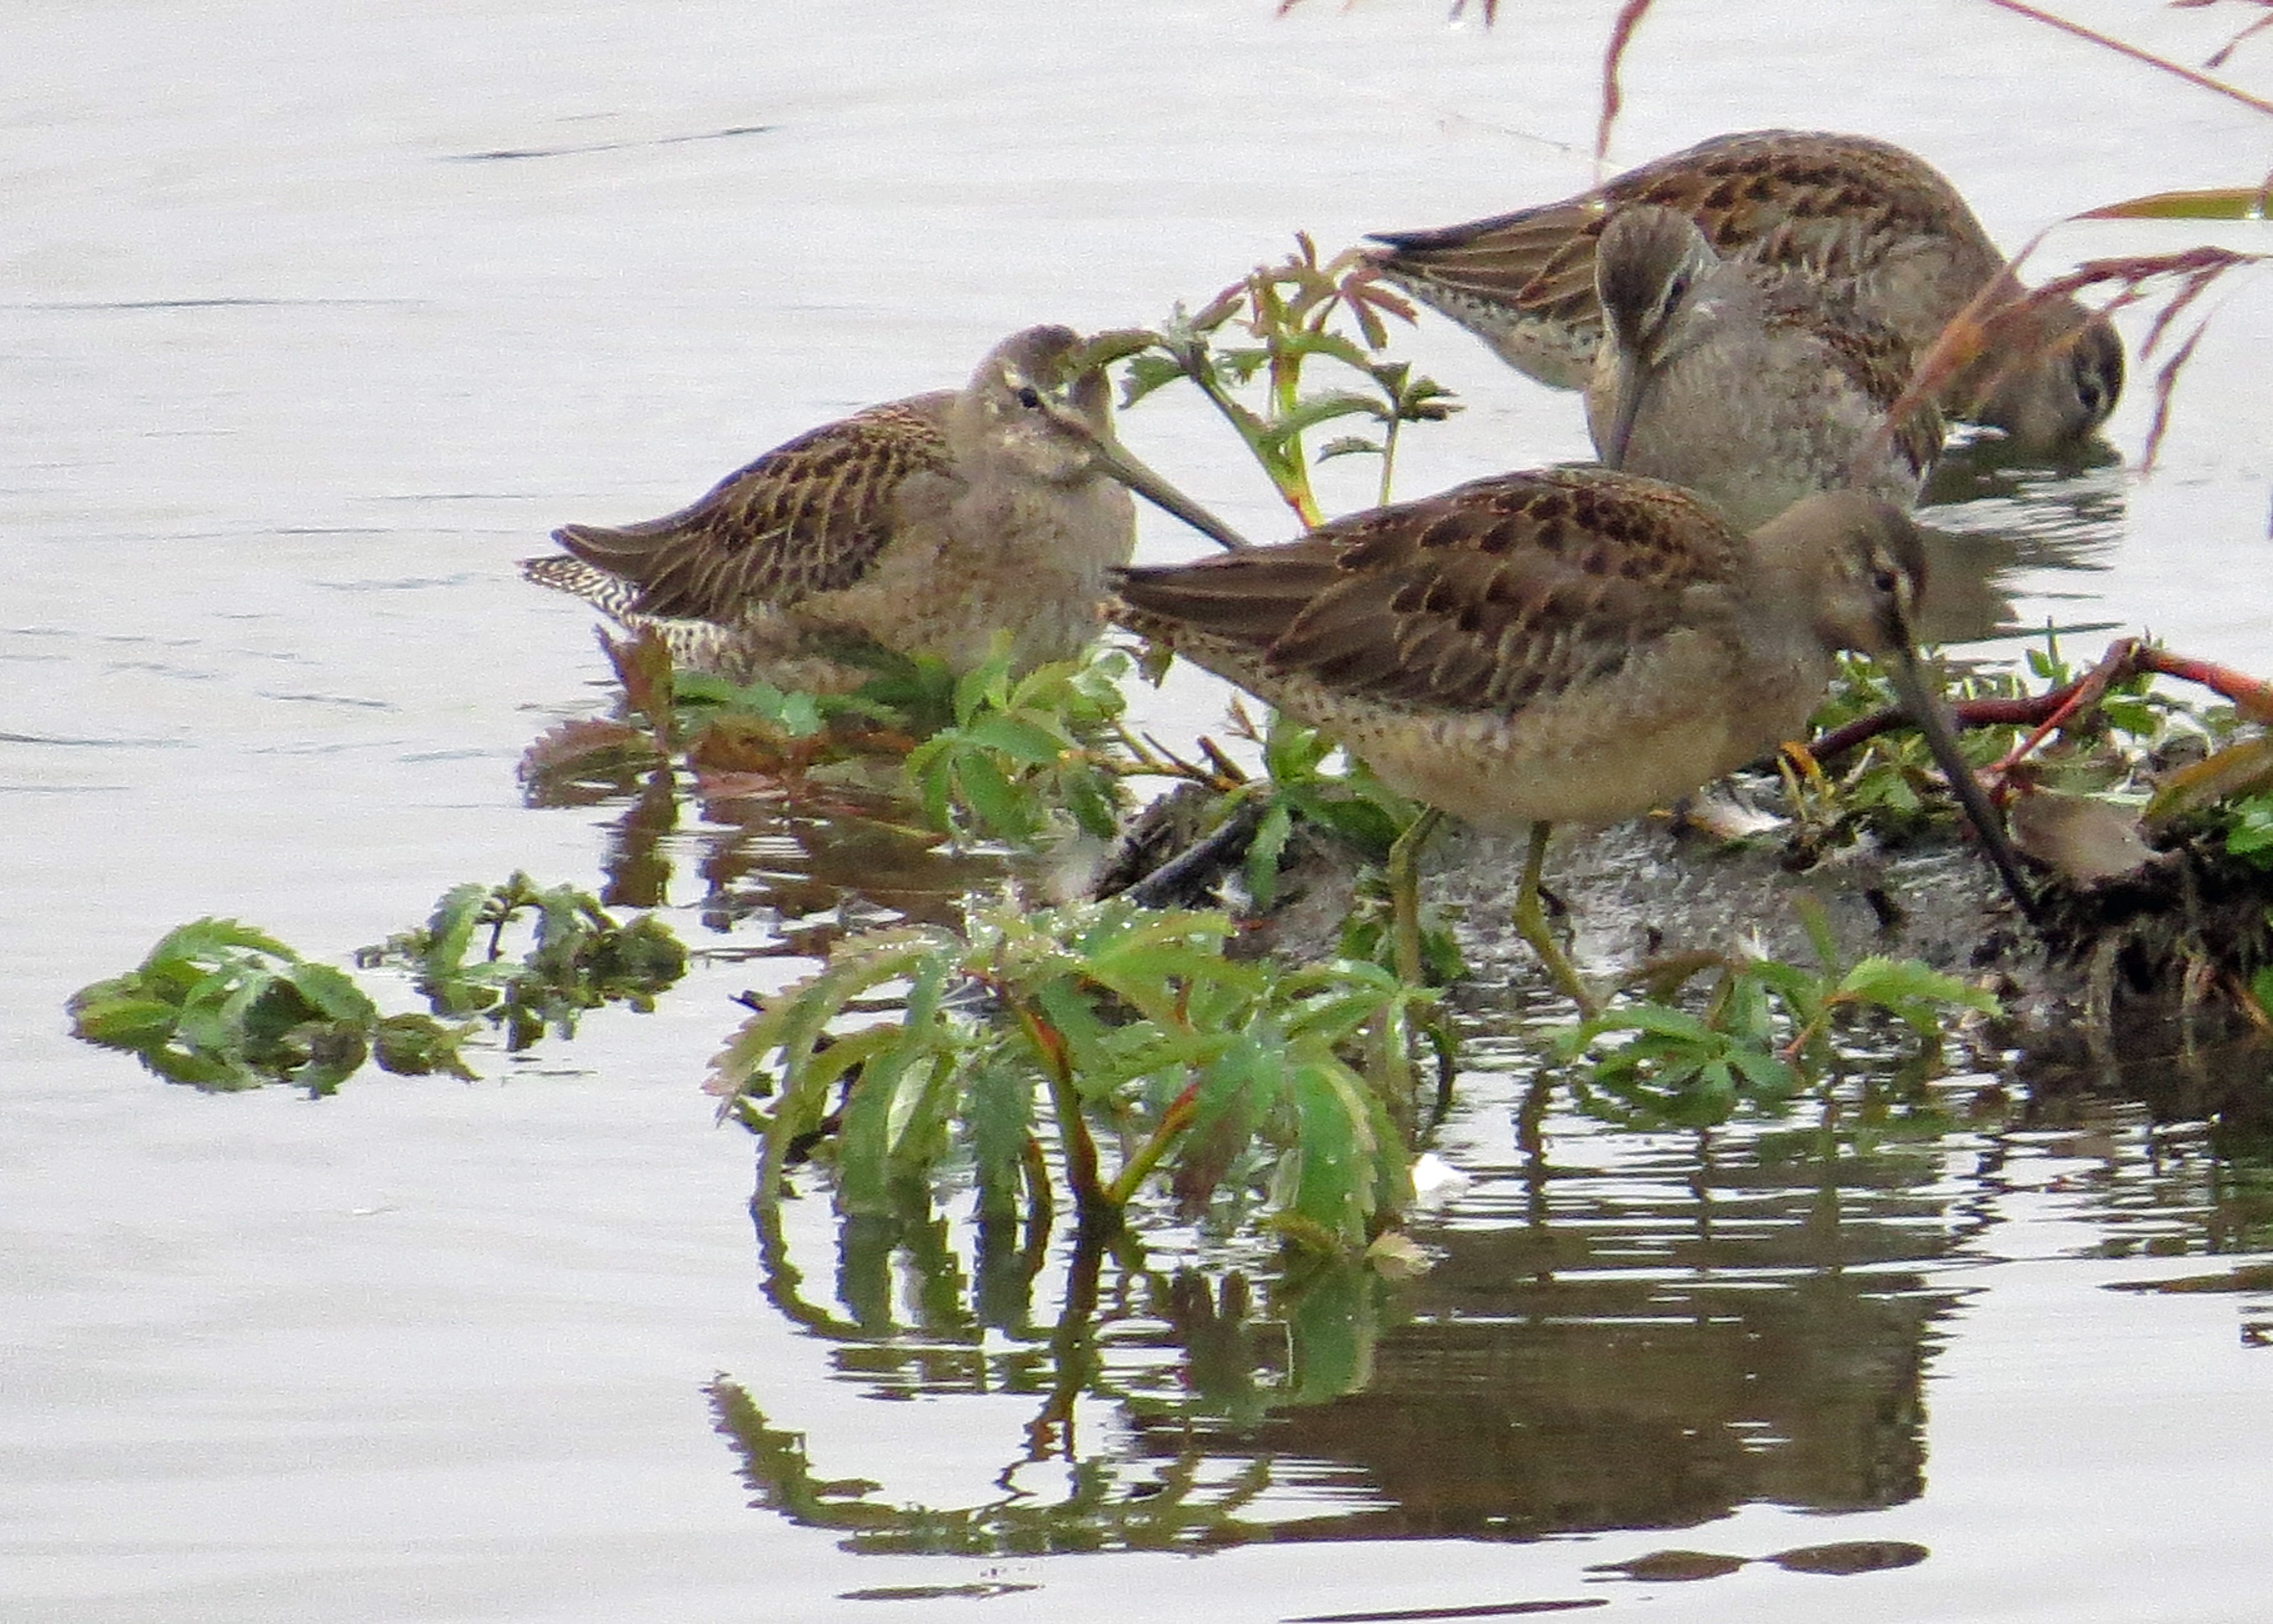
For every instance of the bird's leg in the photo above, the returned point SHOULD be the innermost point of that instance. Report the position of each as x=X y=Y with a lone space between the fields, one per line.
x=1404 y=893
x=1531 y=924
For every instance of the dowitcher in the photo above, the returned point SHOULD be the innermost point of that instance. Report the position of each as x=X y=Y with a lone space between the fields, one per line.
x=1572 y=645
x=1854 y=210
x=926 y=525
x=1755 y=385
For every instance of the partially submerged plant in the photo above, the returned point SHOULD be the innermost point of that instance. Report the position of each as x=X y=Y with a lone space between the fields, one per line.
x=223 y=1006
x=578 y=957
x=1767 y=1033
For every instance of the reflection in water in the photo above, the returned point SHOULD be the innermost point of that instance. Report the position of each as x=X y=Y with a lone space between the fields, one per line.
x=1994 y=517
x=807 y=863
x=1648 y=1343
x=1620 y=1331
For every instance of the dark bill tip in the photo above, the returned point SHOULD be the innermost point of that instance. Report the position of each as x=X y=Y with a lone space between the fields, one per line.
x=1932 y=716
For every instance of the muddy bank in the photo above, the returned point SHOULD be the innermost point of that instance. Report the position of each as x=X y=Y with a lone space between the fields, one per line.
x=2140 y=984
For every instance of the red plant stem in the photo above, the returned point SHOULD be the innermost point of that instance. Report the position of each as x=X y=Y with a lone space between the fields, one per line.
x=2019 y=712
x=2251 y=698
x=1174 y=1121
x=2120 y=660
x=1080 y=1148
x=1629 y=16
x=2054 y=709
x=2029 y=710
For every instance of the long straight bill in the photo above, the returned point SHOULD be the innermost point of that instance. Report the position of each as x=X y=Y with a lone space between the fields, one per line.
x=1932 y=716
x=1118 y=461
x=1629 y=380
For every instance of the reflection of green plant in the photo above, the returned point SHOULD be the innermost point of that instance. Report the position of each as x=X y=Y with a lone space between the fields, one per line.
x=578 y=958
x=1127 y=1018
x=223 y=1006
x=1768 y=1032
x=1238 y=1360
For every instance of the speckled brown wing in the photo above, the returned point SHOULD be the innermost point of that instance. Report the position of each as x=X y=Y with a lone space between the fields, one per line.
x=1877 y=360
x=1484 y=598
x=1833 y=203
x=809 y=516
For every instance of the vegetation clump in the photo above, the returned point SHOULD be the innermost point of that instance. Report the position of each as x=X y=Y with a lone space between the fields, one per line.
x=223 y=1006
x=1138 y=1030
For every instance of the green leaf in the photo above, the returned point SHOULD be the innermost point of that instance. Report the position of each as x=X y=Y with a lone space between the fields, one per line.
x=450 y=931
x=1023 y=742
x=1327 y=1177
x=1771 y=1080
x=334 y=1052
x=332 y=994
x=1308 y=414
x=998 y=806
x=414 y=1045
x=118 y=1014
x=1891 y=982
x=207 y=941
x=1263 y=852
x=1088 y=794
x=914 y=1132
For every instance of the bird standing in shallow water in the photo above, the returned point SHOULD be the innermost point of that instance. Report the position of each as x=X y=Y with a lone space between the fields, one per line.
x=1569 y=645
x=1754 y=385
x=920 y=526
x=1863 y=214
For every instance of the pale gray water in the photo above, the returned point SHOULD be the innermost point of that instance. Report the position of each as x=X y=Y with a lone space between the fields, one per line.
x=294 y=365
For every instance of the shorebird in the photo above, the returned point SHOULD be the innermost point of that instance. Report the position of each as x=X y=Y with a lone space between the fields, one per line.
x=1856 y=210
x=1571 y=645
x=926 y=525
x=1755 y=385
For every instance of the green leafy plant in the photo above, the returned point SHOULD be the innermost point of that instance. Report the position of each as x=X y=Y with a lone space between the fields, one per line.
x=1294 y=311
x=577 y=958
x=1018 y=750
x=223 y=1006
x=1133 y=1025
x=1309 y=779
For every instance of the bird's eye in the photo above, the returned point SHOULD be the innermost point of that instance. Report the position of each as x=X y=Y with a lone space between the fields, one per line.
x=1031 y=398
x=1676 y=291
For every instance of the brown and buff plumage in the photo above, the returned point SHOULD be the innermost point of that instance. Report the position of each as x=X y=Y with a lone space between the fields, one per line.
x=1567 y=645
x=922 y=527
x=1858 y=212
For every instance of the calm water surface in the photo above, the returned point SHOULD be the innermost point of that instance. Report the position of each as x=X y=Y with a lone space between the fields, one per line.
x=314 y=319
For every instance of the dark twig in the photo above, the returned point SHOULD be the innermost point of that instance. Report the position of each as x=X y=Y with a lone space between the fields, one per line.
x=1199 y=864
